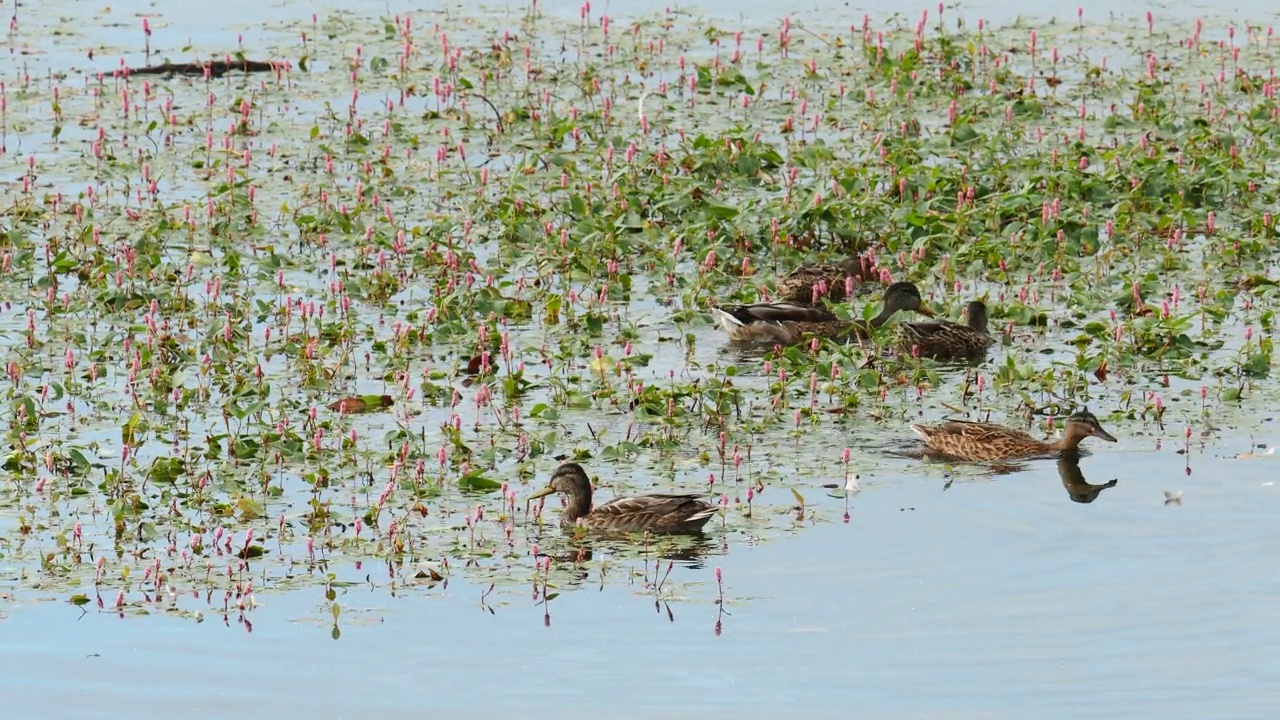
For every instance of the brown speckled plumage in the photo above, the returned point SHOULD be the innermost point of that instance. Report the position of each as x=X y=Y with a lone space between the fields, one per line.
x=945 y=340
x=828 y=279
x=656 y=513
x=788 y=323
x=965 y=440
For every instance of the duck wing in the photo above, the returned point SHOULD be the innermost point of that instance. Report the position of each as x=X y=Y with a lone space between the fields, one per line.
x=971 y=431
x=944 y=338
x=776 y=313
x=799 y=284
x=651 y=512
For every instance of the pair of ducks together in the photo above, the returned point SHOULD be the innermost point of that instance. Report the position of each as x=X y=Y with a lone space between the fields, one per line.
x=687 y=513
x=789 y=322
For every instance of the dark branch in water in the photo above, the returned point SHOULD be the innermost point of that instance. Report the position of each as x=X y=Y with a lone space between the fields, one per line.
x=215 y=68
x=496 y=114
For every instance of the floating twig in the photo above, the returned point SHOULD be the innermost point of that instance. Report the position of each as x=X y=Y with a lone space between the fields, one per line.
x=214 y=68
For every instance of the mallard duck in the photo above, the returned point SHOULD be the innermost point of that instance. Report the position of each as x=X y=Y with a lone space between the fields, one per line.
x=944 y=340
x=808 y=282
x=788 y=323
x=1073 y=480
x=657 y=513
x=967 y=440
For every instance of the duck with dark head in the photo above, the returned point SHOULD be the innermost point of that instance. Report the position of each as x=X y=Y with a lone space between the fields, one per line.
x=945 y=340
x=679 y=513
x=789 y=323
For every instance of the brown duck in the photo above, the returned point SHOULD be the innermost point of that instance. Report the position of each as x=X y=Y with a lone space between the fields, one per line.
x=807 y=283
x=789 y=323
x=945 y=340
x=965 y=440
x=656 y=513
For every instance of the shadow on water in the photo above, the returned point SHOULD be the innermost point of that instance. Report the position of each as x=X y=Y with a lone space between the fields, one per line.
x=688 y=550
x=745 y=354
x=1073 y=479
x=646 y=560
x=960 y=365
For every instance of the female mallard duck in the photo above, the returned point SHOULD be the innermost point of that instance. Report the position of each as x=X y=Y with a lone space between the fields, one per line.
x=945 y=340
x=807 y=283
x=977 y=441
x=657 y=513
x=788 y=323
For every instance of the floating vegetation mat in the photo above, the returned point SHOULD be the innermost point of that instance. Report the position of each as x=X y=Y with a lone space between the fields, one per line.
x=343 y=300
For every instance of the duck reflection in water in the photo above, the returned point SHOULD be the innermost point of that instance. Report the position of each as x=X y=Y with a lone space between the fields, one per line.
x=1073 y=480
x=687 y=550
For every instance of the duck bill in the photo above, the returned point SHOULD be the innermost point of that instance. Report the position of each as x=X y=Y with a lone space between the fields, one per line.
x=925 y=311
x=548 y=490
x=1104 y=435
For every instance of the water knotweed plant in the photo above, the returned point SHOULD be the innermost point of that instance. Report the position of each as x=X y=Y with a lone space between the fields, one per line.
x=343 y=303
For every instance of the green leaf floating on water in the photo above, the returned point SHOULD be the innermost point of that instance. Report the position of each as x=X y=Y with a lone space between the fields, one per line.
x=250 y=509
x=166 y=469
x=545 y=412
x=79 y=460
x=475 y=481
x=722 y=212
x=1258 y=365
x=253 y=551
x=963 y=133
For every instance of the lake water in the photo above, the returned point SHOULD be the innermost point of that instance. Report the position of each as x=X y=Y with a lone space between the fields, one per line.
x=989 y=599
x=945 y=594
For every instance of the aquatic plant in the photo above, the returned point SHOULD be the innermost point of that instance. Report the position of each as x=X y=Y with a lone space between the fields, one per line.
x=262 y=328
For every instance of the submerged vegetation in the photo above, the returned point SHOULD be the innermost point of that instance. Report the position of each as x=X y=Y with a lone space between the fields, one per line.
x=260 y=329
